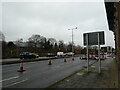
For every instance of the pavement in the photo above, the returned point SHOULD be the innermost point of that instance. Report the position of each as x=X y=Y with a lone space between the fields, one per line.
x=108 y=78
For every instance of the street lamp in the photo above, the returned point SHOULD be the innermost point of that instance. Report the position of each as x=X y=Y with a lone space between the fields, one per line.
x=72 y=41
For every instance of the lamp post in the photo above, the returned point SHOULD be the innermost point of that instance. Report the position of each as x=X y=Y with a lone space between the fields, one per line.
x=72 y=41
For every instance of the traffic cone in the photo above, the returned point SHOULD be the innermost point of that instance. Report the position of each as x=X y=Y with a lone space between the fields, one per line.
x=72 y=58
x=49 y=63
x=21 y=68
x=65 y=60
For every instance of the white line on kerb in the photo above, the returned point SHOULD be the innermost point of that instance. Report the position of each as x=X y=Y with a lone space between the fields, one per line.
x=17 y=82
x=9 y=79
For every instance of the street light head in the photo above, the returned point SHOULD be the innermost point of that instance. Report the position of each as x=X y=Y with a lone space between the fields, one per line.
x=73 y=28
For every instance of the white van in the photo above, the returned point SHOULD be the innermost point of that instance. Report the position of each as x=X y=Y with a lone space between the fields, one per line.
x=60 y=54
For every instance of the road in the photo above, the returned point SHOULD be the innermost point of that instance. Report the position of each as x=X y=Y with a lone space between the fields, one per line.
x=39 y=74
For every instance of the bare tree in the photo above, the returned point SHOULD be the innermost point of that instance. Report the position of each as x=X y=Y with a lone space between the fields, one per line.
x=52 y=41
x=35 y=41
x=78 y=49
x=19 y=42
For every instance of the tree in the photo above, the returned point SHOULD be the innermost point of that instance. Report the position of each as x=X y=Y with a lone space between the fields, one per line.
x=61 y=45
x=19 y=42
x=78 y=49
x=11 y=45
x=2 y=45
x=84 y=51
x=52 y=41
x=70 y=46
x=3 y=48
x=35 y=41
x=56 y=46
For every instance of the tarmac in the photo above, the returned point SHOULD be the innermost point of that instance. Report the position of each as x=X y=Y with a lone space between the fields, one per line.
x=107 y=78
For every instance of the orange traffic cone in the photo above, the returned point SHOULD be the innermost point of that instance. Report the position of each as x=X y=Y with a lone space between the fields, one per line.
x=65 y=60
x=49 y=63
x=21 y=68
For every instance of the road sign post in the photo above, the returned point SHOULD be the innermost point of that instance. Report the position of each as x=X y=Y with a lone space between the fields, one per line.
x=87 y=52
x=99 y=53
x=94 y=38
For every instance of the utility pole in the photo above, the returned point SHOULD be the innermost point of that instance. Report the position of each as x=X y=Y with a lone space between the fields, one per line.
x=72 y=41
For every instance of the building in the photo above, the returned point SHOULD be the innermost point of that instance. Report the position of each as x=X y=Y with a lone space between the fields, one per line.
x=20 y=44
x=113 y=16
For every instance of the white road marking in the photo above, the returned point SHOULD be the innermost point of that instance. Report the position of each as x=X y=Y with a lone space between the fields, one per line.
x=9 y=78
x=80 y=73
x=16 y=83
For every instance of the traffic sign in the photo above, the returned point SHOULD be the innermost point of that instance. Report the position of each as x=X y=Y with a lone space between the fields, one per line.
x=93 y=38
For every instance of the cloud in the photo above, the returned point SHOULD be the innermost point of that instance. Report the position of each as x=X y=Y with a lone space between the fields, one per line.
x=52 y=19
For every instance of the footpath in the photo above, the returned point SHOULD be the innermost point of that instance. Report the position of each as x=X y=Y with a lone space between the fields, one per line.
x=108 y=78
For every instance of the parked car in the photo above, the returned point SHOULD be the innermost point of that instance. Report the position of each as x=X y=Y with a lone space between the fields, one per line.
x=27 y=55
x=36 y=55
x=69 y=53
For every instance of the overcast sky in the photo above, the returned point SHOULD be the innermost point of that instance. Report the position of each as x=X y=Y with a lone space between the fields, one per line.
x=53 y=19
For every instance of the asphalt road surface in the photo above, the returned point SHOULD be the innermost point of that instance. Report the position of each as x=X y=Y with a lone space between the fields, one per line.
x=39 y=74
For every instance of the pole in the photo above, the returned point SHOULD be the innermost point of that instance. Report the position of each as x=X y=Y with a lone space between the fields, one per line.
x=99 y=53
x=87 y=52
x=72 y=44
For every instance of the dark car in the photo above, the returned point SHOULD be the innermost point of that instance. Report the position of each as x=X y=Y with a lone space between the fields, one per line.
x=27 y=55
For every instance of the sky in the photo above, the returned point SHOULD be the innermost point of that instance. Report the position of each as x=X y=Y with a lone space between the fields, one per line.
x=53 y=19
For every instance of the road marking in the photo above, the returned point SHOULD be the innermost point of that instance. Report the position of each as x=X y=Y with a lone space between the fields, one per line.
x=17 y=82
x=9 y=78
x=80 y=74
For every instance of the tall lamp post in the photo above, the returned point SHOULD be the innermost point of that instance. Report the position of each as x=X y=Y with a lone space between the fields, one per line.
x=72 y=41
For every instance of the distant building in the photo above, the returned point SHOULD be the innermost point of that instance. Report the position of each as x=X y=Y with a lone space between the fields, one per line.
x=20 y=44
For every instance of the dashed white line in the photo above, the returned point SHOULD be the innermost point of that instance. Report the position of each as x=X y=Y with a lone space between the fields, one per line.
x=16 y=83
x=9 y=78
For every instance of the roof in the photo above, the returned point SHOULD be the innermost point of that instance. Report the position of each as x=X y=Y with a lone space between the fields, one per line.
x=110 y=10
